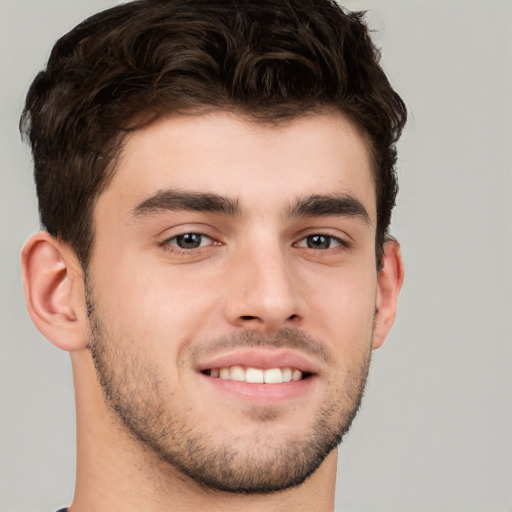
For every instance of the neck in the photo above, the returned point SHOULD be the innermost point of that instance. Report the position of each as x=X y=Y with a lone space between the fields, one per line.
x=117 y=472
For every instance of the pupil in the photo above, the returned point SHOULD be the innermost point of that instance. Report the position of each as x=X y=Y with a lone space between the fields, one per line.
x=189 y=241
x=319 y=242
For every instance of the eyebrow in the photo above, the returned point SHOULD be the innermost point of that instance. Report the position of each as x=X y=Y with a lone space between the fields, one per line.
x=325 y=205
x=310 y=206
x=172 y=200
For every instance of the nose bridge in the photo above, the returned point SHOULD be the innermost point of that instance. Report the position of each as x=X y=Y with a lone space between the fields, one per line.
x=263 y=292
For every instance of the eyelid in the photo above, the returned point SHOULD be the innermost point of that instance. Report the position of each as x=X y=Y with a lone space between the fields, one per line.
x=172 y=231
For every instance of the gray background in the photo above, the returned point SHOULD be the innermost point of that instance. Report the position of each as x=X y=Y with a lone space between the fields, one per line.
x=435 y=431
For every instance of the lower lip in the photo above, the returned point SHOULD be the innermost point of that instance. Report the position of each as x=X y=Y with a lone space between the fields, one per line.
x=261 y=392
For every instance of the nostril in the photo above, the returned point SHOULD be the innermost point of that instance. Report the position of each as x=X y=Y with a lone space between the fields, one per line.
x=248 y=317
x=292 y=317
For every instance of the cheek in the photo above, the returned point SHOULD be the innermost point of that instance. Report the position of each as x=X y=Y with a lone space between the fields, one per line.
x=156 y=304
x=346 y=307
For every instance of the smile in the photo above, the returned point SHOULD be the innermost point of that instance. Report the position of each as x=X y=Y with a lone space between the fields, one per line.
x=257 y=375
x=261 y=375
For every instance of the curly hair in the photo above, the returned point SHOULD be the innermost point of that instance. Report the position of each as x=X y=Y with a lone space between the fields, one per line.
x=273 y=60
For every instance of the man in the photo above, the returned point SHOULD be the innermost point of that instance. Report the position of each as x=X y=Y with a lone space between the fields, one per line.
x=215 y=180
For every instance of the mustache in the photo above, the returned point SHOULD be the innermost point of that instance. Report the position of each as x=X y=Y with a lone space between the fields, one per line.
x=286 y=337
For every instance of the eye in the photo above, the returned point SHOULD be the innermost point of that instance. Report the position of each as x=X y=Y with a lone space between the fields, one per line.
x=189 y=241
x=320 y=242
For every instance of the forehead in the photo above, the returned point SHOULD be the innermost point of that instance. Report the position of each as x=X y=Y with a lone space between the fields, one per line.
x=258 y=164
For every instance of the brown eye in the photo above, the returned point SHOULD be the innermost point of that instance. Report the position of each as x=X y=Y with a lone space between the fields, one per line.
x=190 y=241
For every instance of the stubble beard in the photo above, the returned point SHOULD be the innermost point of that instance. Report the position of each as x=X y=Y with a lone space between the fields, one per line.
x=132 y=392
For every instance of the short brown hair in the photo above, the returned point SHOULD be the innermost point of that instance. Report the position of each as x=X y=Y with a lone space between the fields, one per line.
x=273 y=60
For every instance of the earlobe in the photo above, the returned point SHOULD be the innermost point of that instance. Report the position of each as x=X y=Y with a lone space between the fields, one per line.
x=53 y=284
x=390 y=279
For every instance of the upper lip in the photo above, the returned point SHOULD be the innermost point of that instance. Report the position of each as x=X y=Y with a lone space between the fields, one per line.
x=261 y=357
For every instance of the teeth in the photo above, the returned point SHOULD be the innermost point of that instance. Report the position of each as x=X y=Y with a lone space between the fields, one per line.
x=236 y=373
x=296 y=375
x=273 y=376
x=254 y=375
x=257 y=375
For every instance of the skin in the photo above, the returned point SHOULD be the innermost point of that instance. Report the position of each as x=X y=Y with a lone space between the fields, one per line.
x=161 y=308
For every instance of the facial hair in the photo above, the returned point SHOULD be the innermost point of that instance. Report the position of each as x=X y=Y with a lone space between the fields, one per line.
x=132 y=391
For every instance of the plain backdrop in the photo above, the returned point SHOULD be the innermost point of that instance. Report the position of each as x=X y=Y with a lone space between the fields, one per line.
x=435 y=430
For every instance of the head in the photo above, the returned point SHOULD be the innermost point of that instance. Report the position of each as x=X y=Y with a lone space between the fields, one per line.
x=223 y=173
x=126 y=67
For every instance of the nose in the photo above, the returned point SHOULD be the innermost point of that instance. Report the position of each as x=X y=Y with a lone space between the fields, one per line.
x=263 y=292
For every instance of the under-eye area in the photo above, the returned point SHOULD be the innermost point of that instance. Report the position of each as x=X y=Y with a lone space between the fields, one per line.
x=257 y=375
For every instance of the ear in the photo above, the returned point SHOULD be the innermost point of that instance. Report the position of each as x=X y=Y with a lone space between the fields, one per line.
x=54 y=291
x=389 y=282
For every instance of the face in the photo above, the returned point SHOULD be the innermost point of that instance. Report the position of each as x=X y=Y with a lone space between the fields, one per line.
x=232 y=292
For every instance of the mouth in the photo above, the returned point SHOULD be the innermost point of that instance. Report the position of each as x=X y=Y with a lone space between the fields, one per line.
x=262 y=374
x=258 y=375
